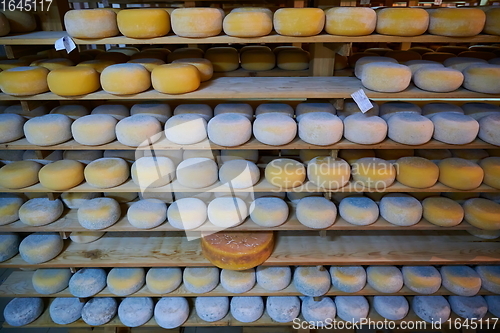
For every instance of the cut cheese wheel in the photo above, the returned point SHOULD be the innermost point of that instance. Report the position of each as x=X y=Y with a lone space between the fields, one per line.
x=94 y=130
x=211 y=309
x=385 y=279
x=107 y=172
x=99 y=311
x=40 y=247
x=472 y=308
x=91 y=23
x=9 y=208
x=438 y=79
x=185 y=129
x=97 y=64
x=144 y=22
x=386 y=77
x=255 y=60
x=373 y=172
x=48 y=130
x=118 y=111
x=163 y=280
x=320 y=128
x=364 y=129
x=223 y=59
x=248 y=22
x=442 y=212
x=274 y=129
x=394 y=21
x=401 y=209
x=461 y=280
x=11 y=127
x=350 y=21
x=138 y=130
x=200 y=280
x=491 y=168
x=23 y=81
x=125 y=79
x=50 y=280
x=348 y=279
x=489 y=129
x=492 y=25
x=125 y=281
x=283 y=309
x=19 y=174
x=247 y=309
x=237 y=282
x=455 y=128
x=299 y=21
x=432 y=309
x=410 y=128
x=482 y=213
x=294 y=59
x=328 y=172
x=204 y=66
x=185 y=52
x=22 y=311
x=294 y=175
x=175 y=78
x=460 y=174
x=84 y=237
x=352 y=308
x=237 y=250
x=482 y=78
x=151 y=172
x=422 y=279
x=479 y=110
x=311 y=281
x=197 y=22
x=456 y=22
x=229 y=129
x=87 y=282
x=361 y=63
x=359 y=210
x=417 y=172
x=40 y=211
x=99 y=213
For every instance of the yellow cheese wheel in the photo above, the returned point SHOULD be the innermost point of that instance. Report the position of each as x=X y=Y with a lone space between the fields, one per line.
x=91 y=23
x=20 y=21
x=386 y=77
x=443 y=212
x=148 y=63
x=224 y=59
x=125 y=79
x=373 y=172
x=405 y=22
x=294 y=59
x=73 y=81
x=328 y=172
x=258 y=61
x=19 y=174
x=299 y=21
x=51 y=64
x=185 y=52
x=23 y=81
x=237 y=250
x=460 y=174
x=350 y=21
x=492 y=25
x=481 y=78
x=248 y=22
x=285 y=173
x=204 y=66
x=456 y=22
x=176 y=78
x=491 y=168
x=96 y=64
x=416 y=172
x=4 y=25
x=117 y=57
x=61 y=175
x=12 y=63
x=197 y=22
x=144 y=22
x=107 y=172
x=482 y=213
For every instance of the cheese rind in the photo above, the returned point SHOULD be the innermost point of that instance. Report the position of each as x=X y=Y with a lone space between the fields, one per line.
x=283 y=309
x=163 y=280
x=99 y=310
x=98 y=213
x=348 y=279
x=23 y=81
x=431 y=308
x=273 y=278
x=197 y=22
x=385 y=279
x=9 y=209
x=455 y=128
x=9 y=245
x=126 y=79
x=461 y=280
x=247 y=309
x=223 y=59
x=416 y=172
x=87 y=282
x=178 y=78
x=125 y=281
x=171 y=312
x=19 y=174
x=257 y=22
x=40 y=247
x=350 y=21
x=422 y=279
x=50 y=280
x=386 y=77
x=400 y=209
x=456 y=22
x=211 y=309
x=144 y=22
x=91 y=23
x=391 y=307
x=22 y=311
x=352 y=308
x=285 y=173
x=40 y=211
x=107 y=172
x=311 y=280
x=61 y=175
x=274 y=129
x=65 y=310
x=395 y=21
x=443 y=212
x=474 y=307
x=460 y=174
x=359 y=210
x=490 y=278
x=299 y=21
x=320 y=128
x=138 y=130
x=491 y=168
x=438 y=79
x=482 y=78
x=373 y=172
x=237 y=281
x=200 y=280
x=482 y=213
x=410 y=128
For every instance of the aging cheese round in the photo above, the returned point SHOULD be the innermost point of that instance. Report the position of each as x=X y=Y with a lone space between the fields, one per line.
x=87 y=282
x=400 y=209
x=311 y=281
x=50 y=280
x=11 y=127
x=438 y=79
x=150 y=172
x=23 y=310
x=283 y=309
x=410 y=128
x=285 y=173
x=19 y=174
x=99 y=311
x=461 y=280
x=257 y=60
x=474 y=307
x=9 y=208
x=125 y=281
x=350 y=21
x=456 y=22
x=61 y=175
x=248 y=22
x=143 y=22
x=20 y=21
x=405 y=22
x=163 y=280
x=94 y=130
x=431 y=308
x=360 y=64
x=443 y=212
x=229 y=129
x=455 y=128
x=482 y=213
x=416 y=172
x=274 y=129
x=40 y=247
x=23 y=81
x=488 y=129
x=247 y=309
x=373 y=172
x=197 y=172
x=125 y=79
x=212 y=309
x=385 y=279
x=460 y=174
x=295 y=59
x=223 y=59
x=482 y=78
x=391 y=307
x=175 y=78
x=320 y=128
x=237 y=281
x=135 y=311
x=328 y=172
x=491 y=168
x=359 y=210
x=197 y=22
x=386 y=77
x=492 y=24
x=203 y=65
x=107 y=172
x=299 y=21
x=48 y=130
x=99 y=213
x=91 y=23
x=422 y=279
x=237 y=250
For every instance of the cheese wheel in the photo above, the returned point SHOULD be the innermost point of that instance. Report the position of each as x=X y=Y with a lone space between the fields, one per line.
x=328 y=172
x=385 y=279
x=22 y=311
x=364 y=129
x=65 y=310
x=248 y=22
x=431 y=309
x=479 y=110
x=299 y=21
x=18 y=109
x=94 y=130
x=320 y=128
x=187 y=213
x=179 y=78
x=163 y=280
x=482 y=78
x=280 y=108
x=99 y=311
x=269 y=212
x=40 y=211
x=106 y=172
x=442 y=212
x=135 y=311
x=316 y=212
x=150 y=172
x=373 y=172
x=491 y=168
x=48 y=130
x=204 y=66
x=361 y=63
x=274 y=129
x=185 y=52
x=304 y=108
x=121 y=197
x=350 y=107
x=311 y=281
x=148 y=63
x=391 y=307
x=11 y=127
x=243 y=109
x=460 y=174
x=73 y=111
x=237 y=282
x=490 y=277
x=144 y=22
x=493 y=303
x=352 y=308
x=200 y=280
x=198 y=172
x=431 y=109
x=19 y=174
x=227 y=212
x=223 y=59
x=97 y=64
x=273 y=278
x=415 y=65
x=416 y=172
x=118 y=111
x=12 y=63
x=50 y=280
x=171 y=312
x=438 y=79
x=203 y=110
x=197 y=22
x=186 y=129
x=237 y=250
x=211 y=309
x=9 y=207
x=9 y=245
x=61 y=175
x=392 y=155
x=410 y=128
x=147 y=214
x=87 y=282
x=403 y=56
x=461 y=63
x=318 y=311
x=395 y=21
x=283 y=309
x=125 y=281
x=492 y=25
x=488 y=129
x=348 y=279
x=482 y=213
x=454 y=128
x=285 y=173
x=91 y=23
x=40 y=247
x=239 y=174
x=422 y=279
x=256 y=60
x=358 y=210
x=82 y=156
x=125 y=79
x=387 y=110
x=469 y=307
x=99 y=213
x=386 y=77
x=84 y=237
x=456 y=22
x=350 y=21
x=61 y=81
x=292 y=59
x=138 y=130
x=247 y=309
x=400 y=209
x=23 y=81
x=52 y=64
x=229 y=129
x=20 y=21
x=461 y=280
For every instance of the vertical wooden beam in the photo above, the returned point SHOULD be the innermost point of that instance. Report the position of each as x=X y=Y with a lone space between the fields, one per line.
x=405 y=46
x=53 y=19
x=322 y=60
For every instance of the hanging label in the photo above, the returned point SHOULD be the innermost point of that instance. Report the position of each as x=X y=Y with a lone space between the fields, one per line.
x=65 y=43
x=364 y=2
x=362 y=100
x=438 y=2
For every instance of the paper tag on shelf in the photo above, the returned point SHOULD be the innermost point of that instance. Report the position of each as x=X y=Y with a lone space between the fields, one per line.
x=362 y=100
x=364 y=2
x=438 y=2
x=65 y=43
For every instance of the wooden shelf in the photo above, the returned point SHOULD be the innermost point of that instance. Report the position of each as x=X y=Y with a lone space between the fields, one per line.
x=18 y=284
x=50 y=37
x=273 y=88
x=165 y=249
x=69 y=223
x=165 y=144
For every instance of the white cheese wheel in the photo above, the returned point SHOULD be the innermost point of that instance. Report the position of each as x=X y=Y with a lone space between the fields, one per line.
x=65 y=310
x=40 y=247
x=94 y=130
x=200 y=280
x=160 y=111
x=40 y=211
x=50 y=280
x=247 y=309
x=395 y=21
x=229 y=129
x=299 y=21
x=48 y=130
x=186 y=129
x=147 y=213
x=364 y=129
x=482 y=78
x=91 y=23
x=227 y=212
x=391 y=307
x=239 y=174
x=400 y=209
x=474 y=308
x=248 y=22
x=318 y=311
x=316 y=212
x=432 y=309
x=348 y=279
x=283 y=309
x=99 y=311
x=187 y=213
x=171 y=312
x=488 y=130
x=107 y=172
x=359 y=210
x=490 y=278
x=273 y=278
x=9 y=245
x=269 y=212
x=305 y=108
x=479 y=110
x=461 y=280
x=197 y=172
x=352 y=308
x=320 y=128
x=87 y=282
x=11 y=127
x=125 y=281
x=454 y=128
x=410 y=128
x=151 y=172
x=138 y=130
x=135 y=311
x=386 y=77
x=197 y=22
x=211 y=309
x=163 y=280
x=385 y=279
x=99 y=213
x=438 y=79
x=456 y=22
x=22 y=311
x=274 y=129
x=350 y=21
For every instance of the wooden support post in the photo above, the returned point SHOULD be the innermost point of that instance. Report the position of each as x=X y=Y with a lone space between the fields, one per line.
x=31 y=105
x=405 y=46
x=322 y=60
x=53 y=19
x=338 y=103
x=53 y=195
x=189 y=4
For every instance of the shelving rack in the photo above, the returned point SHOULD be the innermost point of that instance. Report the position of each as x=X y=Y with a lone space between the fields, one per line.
x=341 y=244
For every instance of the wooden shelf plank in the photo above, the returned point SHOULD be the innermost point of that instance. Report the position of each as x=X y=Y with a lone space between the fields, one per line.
x=253 y=143
x=50 y=37
x=163 y=249
x=273 y=88
x=262 y=186
x=18 y=284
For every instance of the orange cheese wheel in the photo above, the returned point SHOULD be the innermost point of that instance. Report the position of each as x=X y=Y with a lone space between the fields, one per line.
x=238 y=250
x=350 y=21
x=456 y=22
x=248 y=22
x=73 y=81
x=143 y=22
x=175 y=78
x=22 y=81
x=299 y=21
x=402 y=21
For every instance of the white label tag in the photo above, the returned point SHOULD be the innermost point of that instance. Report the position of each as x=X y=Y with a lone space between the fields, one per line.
x=438 y=2
x=65 y=43
x=364 y=2
x=362 y=100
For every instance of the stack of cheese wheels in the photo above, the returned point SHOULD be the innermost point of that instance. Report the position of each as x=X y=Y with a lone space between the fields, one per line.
x=394 y=21
x=456 y=22
x=248 y=22
x=144 y=22
x=350 y=21
x=91 y=23
x=13 y=81
x=197 y=22
x=299 y=21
